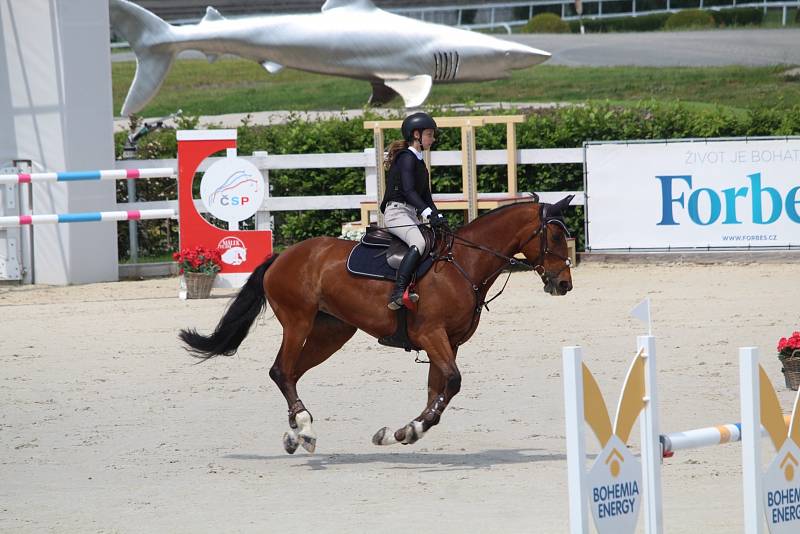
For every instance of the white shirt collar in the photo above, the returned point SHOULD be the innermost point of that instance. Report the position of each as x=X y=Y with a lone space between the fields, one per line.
x=415 y=152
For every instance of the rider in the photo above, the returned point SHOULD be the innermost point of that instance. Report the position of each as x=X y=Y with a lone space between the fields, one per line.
x=408 y=200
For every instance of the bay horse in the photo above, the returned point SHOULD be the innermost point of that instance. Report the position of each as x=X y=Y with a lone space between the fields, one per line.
x=320 y=305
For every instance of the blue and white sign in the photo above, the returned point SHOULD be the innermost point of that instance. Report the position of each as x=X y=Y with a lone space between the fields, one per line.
x=693 y=194
x=615 y=486
x=781 y=486
x=232 y=189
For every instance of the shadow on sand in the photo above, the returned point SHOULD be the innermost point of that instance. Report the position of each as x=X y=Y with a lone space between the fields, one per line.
x=433 y=461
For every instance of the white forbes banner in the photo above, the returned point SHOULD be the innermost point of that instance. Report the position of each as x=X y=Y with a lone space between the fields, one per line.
x=688 y=194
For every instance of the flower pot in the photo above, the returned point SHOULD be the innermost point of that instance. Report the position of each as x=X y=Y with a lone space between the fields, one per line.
x=198 y=285
x=791 y=370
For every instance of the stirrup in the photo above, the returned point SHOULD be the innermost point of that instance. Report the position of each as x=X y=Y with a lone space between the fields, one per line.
x=398 y=303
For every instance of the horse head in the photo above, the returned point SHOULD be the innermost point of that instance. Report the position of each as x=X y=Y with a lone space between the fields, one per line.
x=546 y=247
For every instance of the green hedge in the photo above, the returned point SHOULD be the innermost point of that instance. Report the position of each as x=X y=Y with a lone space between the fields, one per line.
x=689 y=18
x=740 y=16
x=645 y=23
x=546 y=23
x=565 y=127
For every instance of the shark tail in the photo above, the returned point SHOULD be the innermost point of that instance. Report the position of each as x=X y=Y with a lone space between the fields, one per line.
x=149 y=36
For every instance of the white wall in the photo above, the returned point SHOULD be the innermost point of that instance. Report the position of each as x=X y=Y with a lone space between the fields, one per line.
x=56 y=110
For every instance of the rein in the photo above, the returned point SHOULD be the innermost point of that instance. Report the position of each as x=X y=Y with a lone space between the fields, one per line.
x=510 y=261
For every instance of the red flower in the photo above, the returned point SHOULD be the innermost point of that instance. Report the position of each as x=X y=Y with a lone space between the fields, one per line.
x=198 y=260
x=788 y=347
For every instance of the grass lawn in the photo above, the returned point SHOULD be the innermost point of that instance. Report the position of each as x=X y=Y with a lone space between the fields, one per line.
x=238 y=86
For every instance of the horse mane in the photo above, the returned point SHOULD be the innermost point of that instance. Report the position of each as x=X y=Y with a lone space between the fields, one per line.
x=500 y=209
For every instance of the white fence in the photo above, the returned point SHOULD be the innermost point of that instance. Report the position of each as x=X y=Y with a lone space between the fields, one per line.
x=507 y=15
x=513 y=14
x=265 y=163
x=365 y=160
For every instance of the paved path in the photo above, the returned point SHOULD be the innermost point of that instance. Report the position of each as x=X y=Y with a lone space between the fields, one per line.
x=671 y=49
x=234 y=120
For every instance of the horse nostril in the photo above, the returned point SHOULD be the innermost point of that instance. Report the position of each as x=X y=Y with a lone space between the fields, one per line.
x=566 y=285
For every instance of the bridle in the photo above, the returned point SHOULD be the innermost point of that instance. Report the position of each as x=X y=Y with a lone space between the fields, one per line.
x=544 y=247
x=537 y=265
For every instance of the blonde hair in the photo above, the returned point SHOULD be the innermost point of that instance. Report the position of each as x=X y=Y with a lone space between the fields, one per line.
x=391 y=154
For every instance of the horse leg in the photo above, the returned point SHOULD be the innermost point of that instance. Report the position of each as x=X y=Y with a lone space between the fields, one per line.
x=327 y=335
x=444 y=382
x=436 y=381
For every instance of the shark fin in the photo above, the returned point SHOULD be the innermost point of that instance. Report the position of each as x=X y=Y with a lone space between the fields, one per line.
x=144 y=31
x=350 y=4
x=413 y=90
x=271 y=66
x=381 y=94
x=211 y=15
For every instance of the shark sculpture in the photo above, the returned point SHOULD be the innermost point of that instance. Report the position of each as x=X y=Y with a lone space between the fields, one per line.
x=351 y=38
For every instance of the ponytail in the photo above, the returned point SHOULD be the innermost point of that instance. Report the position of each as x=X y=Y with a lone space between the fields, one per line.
x=394 y=149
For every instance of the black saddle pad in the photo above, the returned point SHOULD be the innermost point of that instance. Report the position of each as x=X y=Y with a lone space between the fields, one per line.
x=370 y=261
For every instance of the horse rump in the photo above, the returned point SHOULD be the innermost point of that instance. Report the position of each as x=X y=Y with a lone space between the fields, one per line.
x=235 y=323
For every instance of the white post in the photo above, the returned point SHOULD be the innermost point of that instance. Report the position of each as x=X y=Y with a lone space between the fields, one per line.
x=56 y=110
x=370 y=174
x=232 y=153
x=26 y=234
x=263 y=216
x=651 y=444
x=576 y=446
x=750 y=395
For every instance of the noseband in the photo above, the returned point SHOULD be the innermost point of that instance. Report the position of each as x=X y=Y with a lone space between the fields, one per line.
x=544 y=247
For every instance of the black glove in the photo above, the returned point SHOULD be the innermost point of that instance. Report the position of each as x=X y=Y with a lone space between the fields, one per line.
x=438 y=220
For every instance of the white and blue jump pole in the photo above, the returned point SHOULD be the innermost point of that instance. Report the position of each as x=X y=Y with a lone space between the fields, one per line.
x=83 y=176
x=92 y=216
x=704 y=437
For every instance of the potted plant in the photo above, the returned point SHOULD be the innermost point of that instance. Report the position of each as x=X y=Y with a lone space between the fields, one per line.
x=199 y=266
x=789 y=355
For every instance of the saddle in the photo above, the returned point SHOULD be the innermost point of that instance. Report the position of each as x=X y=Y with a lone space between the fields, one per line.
x=379 y=254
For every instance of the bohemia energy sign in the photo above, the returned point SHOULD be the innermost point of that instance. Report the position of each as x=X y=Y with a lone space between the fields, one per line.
x=693 y=194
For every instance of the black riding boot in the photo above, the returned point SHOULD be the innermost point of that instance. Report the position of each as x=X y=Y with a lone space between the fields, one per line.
x=404 y=273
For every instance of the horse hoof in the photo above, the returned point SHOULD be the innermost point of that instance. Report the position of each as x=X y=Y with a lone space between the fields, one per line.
x=306 y=434
x=384 y=436
x=309 y=443
x=290 y=442
x=410 y=434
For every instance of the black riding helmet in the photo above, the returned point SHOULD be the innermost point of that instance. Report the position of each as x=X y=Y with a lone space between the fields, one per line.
x=416 y=121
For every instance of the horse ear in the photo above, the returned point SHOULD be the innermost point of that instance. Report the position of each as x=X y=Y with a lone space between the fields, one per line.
x=563 y=203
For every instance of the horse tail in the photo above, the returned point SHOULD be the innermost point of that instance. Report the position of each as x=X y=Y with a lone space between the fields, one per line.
x=235 y=324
